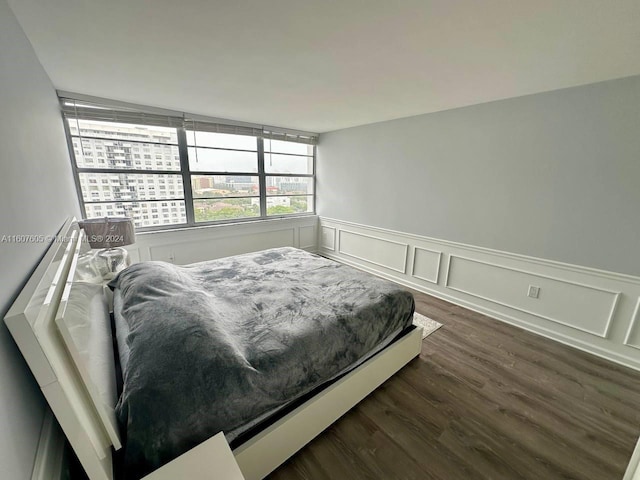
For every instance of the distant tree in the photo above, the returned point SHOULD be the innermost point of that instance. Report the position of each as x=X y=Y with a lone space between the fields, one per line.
x=280 y=210
x=300 y=205
x=243 y=202
x=225 y=213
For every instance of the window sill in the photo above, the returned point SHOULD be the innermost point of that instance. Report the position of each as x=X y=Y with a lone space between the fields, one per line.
x=227 y=225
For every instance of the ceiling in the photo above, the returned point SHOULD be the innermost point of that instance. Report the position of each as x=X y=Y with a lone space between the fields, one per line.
x=321 y=65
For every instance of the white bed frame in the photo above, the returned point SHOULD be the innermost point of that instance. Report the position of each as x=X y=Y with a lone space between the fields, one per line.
x=32 y=322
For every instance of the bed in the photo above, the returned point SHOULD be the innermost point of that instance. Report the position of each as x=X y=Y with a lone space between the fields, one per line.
x=276 y=402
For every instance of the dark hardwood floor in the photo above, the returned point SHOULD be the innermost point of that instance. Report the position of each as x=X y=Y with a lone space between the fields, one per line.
x=484 y=400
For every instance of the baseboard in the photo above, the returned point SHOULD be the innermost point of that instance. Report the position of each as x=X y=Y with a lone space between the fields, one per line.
x=588 y=309
x=49 y=456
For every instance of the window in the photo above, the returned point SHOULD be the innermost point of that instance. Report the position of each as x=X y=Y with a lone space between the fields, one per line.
x=289 y=171
x=226 y=185
x=209 y=172
x=120 y=176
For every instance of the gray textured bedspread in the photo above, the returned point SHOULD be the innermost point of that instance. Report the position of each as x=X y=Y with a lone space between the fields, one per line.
x=213 y=346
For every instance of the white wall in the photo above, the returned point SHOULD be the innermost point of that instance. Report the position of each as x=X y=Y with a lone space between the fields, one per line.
x=595 y=311
x=192 y=245
x=474 y=205
x=36 y=195
x=554 y=175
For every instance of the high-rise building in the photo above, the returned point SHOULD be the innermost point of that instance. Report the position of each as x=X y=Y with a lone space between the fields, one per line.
x=151 y=198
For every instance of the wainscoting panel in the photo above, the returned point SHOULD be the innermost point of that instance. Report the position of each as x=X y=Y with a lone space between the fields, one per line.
x=196 y=251
x=198 y=244
x=632 y=339
x=377 y=251
x=578 y=306
x=307 y=240
x=328 y=239
x=593 y=310
x=426 y=264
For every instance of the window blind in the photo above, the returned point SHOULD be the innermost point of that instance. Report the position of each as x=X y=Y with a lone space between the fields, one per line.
x=290 y=136
x=88 y=108
x=75 y=109
x=215 y=127
x=142 y=162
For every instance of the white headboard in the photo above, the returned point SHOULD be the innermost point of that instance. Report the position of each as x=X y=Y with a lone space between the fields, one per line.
x=32 y=322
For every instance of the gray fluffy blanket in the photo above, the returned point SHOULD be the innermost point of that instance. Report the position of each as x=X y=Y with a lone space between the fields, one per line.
x=216 y=345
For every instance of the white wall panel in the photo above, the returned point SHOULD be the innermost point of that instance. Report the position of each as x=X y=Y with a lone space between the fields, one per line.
x=200 y=250
x=632 y=338
x=426 y=264
x=307 y=238
x=199 y=244
x=378 y=251
x=586 y=308
x=593 y=310
x=328 y=238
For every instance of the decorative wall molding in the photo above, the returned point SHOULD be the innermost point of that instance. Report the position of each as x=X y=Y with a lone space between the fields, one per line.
x=413 y=238
x=592 y=310
x=632 y=325
x=588 y=309
x=50 y=453
x=415 y=264
x=378 y=251
x=199 y=244
x=307 y=237
x=328 y=238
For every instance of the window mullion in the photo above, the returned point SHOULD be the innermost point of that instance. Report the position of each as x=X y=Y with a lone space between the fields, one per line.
x=186 y=176
x=262 y=179
x=106 y=195
x=74 y=167
x=314 y=179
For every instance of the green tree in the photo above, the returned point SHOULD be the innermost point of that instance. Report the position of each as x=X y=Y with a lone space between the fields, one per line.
x=299 y=204
x=279 y=210
x=225 y=213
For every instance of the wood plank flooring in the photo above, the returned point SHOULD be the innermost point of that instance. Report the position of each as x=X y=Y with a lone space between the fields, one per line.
x=484 y=400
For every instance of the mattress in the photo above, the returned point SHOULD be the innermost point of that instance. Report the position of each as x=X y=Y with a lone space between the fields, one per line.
x=225 y=344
